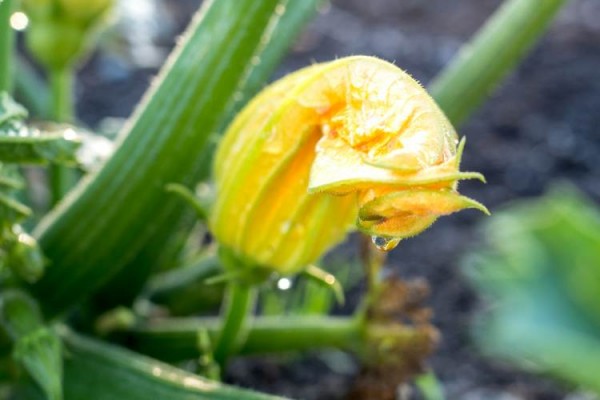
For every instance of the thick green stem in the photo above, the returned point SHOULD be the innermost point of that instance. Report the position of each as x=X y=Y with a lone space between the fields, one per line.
x=495 y=50
x=285 y=23
x=240 y=300
x=62 y=178
x=123 y=211
x=7 y=38
x=61 y=84
x=176 y=339
x=31 y=90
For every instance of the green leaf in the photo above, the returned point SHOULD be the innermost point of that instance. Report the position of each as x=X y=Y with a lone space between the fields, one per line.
x=37 y=348
x=541 y=270
x=98 y=371
x=40 y=354
x=20 y=144
x=429 y=386
x=12 y=115
x=11 y=210
x=121 y=218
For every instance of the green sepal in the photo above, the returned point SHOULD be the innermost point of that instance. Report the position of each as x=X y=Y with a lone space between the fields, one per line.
x=23 y=255
x=12 y=115
x=327 y=280
x=20 y=144
x=36 y=347
x=201 y=205
x=40 y=353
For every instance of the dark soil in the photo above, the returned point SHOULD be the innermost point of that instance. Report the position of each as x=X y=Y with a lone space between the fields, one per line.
x=540 y=126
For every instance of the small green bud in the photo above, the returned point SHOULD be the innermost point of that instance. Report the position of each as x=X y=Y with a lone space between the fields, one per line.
x=25 y=257
x=85 y=11
x=55 y=44
x=38 y=9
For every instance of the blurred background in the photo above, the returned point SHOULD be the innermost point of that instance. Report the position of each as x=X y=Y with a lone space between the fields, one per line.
x=539 y=128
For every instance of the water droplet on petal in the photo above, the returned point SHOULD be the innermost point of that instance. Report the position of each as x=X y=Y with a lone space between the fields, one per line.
x=285 y=227
x=385 y=243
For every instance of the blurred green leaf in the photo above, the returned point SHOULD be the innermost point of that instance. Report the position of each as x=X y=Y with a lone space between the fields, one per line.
x=20 y=144
x=12 y=115
x=36 y=347
x=429 y=386
x=541 y=272
x=98 y=371
x=40 y=353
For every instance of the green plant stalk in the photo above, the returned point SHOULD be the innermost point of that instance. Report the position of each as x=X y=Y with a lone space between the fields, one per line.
x=98 y=371
x=114 y=214
x=184 y=290
x=61 y=85
x=494 y=51
x=175 y=340
x=31 y=90
x=238 y=307
x=282 y=28
x=62 y=178
x=7 y=40
x=121 y=218
x=429 y=386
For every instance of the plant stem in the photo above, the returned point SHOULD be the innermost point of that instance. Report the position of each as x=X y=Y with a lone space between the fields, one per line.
x=7 y=38
x=121 y=219
x=61 y=84
x=176 y=339
x=62 y=178
x=31 y=90
x=240 y=300
x=495 y=50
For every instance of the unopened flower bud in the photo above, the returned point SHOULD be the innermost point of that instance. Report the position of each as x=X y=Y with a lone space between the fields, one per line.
x=62 y=30
x=85 y=11
x=353 y=142
x=37 y=9
x=55 y=44
x=25 y=256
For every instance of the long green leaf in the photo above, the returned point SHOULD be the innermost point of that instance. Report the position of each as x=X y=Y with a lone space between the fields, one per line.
x=123 y=210
x=98 y=371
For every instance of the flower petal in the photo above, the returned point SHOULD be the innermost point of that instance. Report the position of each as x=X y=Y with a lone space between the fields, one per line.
x=406 y=213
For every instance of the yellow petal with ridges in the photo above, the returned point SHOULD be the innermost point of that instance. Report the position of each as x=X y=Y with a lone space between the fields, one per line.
x=406 y=213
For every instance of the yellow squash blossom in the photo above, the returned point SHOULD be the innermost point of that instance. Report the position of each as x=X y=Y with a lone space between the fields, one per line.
x=355 y=142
